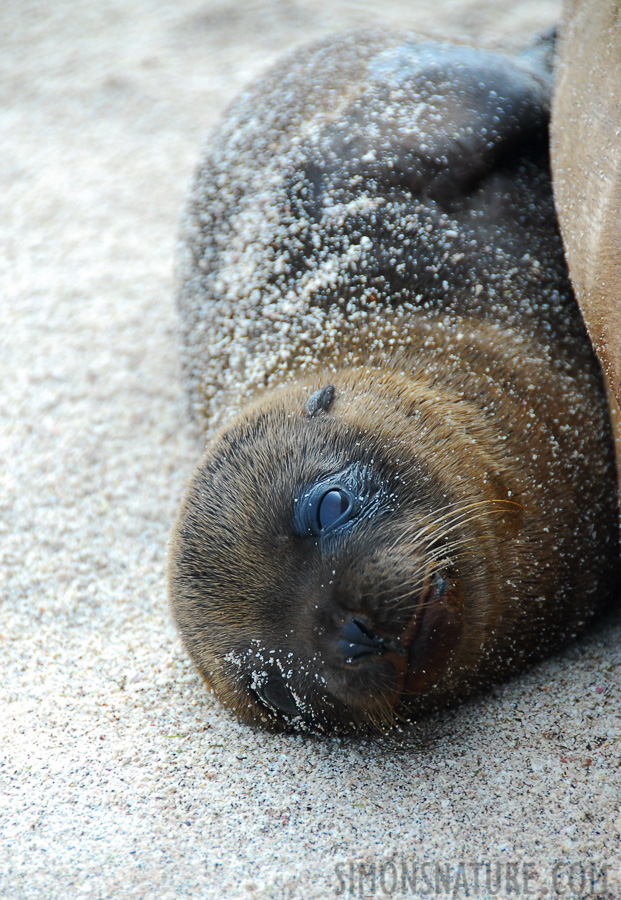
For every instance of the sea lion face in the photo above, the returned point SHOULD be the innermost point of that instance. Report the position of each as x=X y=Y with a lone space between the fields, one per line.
x=306 y=586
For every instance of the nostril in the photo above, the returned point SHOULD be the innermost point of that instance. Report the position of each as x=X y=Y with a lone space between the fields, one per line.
x=358 y=641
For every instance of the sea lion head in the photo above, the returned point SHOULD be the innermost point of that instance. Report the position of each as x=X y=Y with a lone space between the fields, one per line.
x=317 y=571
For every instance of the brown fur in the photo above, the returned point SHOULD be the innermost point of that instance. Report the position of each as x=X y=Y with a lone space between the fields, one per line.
x=586 y=167
x=468 y=428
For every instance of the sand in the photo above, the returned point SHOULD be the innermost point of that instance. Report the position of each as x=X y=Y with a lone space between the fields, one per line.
x=122 y=777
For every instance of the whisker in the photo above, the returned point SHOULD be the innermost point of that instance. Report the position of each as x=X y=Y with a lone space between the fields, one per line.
x=459 y=516
x=454 y=510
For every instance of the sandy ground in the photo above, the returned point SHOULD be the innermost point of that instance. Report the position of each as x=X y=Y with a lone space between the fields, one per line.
x=121 y=776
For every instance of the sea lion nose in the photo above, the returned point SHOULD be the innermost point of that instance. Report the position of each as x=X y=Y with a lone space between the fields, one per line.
x=358 y=641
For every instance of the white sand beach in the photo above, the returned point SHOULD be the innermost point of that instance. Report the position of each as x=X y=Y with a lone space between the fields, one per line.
x=121 y=775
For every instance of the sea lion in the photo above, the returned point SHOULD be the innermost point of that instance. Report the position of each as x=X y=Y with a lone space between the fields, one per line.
x=411 y=488
x=586 y=168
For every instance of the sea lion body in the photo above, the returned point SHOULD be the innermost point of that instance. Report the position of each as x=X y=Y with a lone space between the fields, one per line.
x=586 y=167
x=412 y=489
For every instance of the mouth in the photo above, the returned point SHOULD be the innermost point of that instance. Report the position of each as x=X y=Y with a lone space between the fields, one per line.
x=435 y=638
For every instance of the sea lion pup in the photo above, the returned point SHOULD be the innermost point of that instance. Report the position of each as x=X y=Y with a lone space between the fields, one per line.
x=412 y=489
x=586 y=168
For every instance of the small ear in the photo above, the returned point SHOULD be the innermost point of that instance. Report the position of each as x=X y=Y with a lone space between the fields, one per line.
x=320 y=401
x=437 y=118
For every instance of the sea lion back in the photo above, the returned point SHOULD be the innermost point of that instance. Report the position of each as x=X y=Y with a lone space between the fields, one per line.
x=360 y=180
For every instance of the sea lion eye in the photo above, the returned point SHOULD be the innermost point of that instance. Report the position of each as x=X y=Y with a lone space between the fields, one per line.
x=332 y=507
x=321 y=509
